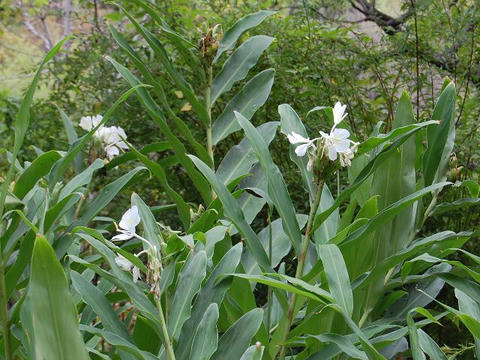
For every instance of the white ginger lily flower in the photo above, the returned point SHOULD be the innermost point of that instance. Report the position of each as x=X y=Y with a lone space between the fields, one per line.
x=111 y=136
x=89 y=122
x=127 y=225
x=338 y=113
x=335 y=145
x=126 y=265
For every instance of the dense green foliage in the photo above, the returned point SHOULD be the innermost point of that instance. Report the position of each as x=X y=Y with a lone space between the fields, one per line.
x=233 y=243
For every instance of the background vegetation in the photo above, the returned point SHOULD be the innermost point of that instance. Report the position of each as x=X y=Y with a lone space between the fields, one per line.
x=363 y=53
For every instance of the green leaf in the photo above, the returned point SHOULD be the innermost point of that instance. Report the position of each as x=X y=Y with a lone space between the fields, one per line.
x=240 y=158
x=457 y=204
x=206 y=338
x=298 y=286
x=72 y=137
x=55 y=322
x=235 y=214
x=254 y=352
x=252 y=96
x=337 y=276
x=119 y=342
x=236 y=339
x=231 y=36
x=189 y=283
x=344 y=343
x=211 y=292
x=81 y=179
x=177 y=146
x=440 y=138
x=103 y=198
x=37 y=169
x=94 y=297
x=364 y=175
x=160 y=94
x=290 y=122
x=277 y=189
x=388 y=212
x=182 y=208
x=238 y=64
x=22 y=119
x=162 y=55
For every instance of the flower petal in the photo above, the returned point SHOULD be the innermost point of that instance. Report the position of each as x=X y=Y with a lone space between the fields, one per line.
x=130 y=220
x=340 y=133
x=301 y=150
x=123 y=263
x=332 y=153
x=295 y=138
x=122 y=237
x=338 y=113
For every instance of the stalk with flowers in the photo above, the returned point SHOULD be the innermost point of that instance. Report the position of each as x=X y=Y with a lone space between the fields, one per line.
x=77 y=285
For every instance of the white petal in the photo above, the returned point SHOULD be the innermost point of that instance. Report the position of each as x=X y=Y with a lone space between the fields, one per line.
x=86 y=123
x=332 y=153
x=295 y=138
x=96 y=120
x=130 y=220
x=122 y=237
x=324 y=135
x=136 y=274
x=340 y=133
x=338 y=113
x=112 y=151
x=301 y=150
x=123 y=263
x=341 y=145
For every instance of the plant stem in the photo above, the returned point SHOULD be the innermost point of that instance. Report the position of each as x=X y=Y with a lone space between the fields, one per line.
x=301 y=265
x=270 y=252
x=4 y=311
x=168 y=344
x=208 y=106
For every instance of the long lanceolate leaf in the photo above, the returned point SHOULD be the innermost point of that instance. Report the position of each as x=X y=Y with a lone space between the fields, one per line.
x=177 y=146
x=440 y=138
x=234 y=213
x=277 y=189
x=160 y=94
x=231 y=35
x=238 y=64
x=189 y=282
x=161 y=54
x=182 y=208
x=22 y=122
x=366 y=172
x=252 y=96
x=337 y=276
x=54 y=315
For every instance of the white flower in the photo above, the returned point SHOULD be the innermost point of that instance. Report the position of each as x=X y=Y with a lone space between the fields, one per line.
x=335 y=145
x=339 y=113
x=112 y=139
x=127 y=225
x=89 y=122
x=305 y=143
x=126 y=265
x=336 y=142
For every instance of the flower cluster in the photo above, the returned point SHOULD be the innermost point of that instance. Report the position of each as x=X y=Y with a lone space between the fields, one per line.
x=110 y=136
x=127 y=231
x=333 y=145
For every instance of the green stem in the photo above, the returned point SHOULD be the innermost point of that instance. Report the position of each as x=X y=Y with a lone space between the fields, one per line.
x=4 y=311
x=168 y=344
x=301 y=265
x=208 y=106
x=270 y=253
